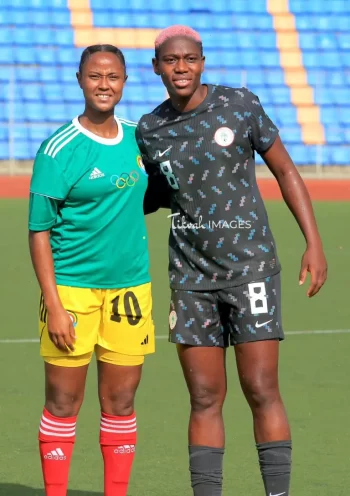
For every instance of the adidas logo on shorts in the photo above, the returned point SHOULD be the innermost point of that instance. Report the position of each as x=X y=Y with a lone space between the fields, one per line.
x=56 y=454
x=96 y=173
x=145 y=341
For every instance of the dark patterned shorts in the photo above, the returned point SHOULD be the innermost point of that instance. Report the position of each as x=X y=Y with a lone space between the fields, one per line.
x=241 y=314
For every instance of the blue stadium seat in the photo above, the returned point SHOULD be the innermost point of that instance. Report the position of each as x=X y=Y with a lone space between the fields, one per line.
x=23 y=36
x=274 y=77
x=179 y=6
x=267 y=41
x=155 y=93
x=6 y=36
x=329 y=115
x=34 y=147
x=39 y=133
x=246 y=39
x=346 y=131
x=44 y=37
x=280 y=95
x=4 y=112
x=31 y=92
x=270 y=59
x=34 y=112
x=319 y=154
x=20 y=133
x=286 y=114
x=97 y=5
x=43 y=4
x=179 y=18
x=47 y=56
x=335 y=78
x=221 y=22
x=4 y=133
x=61 y=19
x=307 y=41
x=27 y=74
x=344 y=115
x=136 y=93
x=48 y=74
x=53 y=92
x=254 y=77
x=224 y=39
x=299 y=154
x=326 y=41
x=240 y=46
x=56 y=112
x=270 y=110
x=323 y=95
x=122 y=110
x=73 y=109
x=69 y=56
x=22 y=150
x=63 y=36
x=197 y=20
x=219 y=6
x=341 y=96
x=73 y=93
x=6 y=55
x=344 y=40
x=334 y=135
x=67 y=74
x=24 y=55
x=341 y=155
x=103 y=19
x=4 y=150
x=291 y=135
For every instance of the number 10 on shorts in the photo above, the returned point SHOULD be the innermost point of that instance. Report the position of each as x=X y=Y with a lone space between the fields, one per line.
x=257 y=298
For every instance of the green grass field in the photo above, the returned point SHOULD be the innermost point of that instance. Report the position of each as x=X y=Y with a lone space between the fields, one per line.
x=314 y=371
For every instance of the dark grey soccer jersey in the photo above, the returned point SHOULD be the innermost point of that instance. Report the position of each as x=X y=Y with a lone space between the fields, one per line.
x=220 y=235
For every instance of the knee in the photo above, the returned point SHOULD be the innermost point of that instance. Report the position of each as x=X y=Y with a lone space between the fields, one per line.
x=62 y=403
x=119 y=403
x=261 y=392
x=207 y=399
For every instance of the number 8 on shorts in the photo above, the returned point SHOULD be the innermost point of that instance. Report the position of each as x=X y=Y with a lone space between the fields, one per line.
x=257 y=297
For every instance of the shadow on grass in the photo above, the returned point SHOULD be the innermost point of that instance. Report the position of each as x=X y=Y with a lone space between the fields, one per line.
x=19 y=490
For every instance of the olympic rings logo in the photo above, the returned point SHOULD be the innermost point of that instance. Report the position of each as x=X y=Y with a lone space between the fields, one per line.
x=125 y=179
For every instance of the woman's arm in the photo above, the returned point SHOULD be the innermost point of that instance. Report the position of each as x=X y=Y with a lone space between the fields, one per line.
x=297 y=198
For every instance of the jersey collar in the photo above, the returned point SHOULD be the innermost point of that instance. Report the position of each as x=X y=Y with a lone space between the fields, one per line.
x=98 y=139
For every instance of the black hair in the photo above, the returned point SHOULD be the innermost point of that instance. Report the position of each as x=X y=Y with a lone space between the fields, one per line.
x=100 y=48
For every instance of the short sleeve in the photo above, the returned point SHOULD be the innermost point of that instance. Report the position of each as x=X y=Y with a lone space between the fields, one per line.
x=42 y=212
x=158 y=192
x=262 y=130
x=48 y=178
x=141 y=144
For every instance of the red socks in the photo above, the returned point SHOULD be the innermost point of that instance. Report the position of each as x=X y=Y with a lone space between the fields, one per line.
x=56 y=442
x=118 y=442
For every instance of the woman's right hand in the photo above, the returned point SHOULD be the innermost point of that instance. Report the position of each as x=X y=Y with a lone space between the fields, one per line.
x=61 y=329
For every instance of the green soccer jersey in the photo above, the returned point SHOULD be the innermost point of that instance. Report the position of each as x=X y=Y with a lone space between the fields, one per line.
x=88 y=191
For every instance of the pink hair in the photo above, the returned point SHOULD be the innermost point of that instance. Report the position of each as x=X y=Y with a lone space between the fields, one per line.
x=176 y=30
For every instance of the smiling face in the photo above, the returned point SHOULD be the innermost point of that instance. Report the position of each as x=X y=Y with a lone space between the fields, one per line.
x=102 y=80
x=180 y=64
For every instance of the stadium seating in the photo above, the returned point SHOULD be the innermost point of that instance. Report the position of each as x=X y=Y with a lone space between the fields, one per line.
x=39 y=60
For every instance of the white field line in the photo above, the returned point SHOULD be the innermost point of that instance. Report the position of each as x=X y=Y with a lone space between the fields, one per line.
x=288 y=333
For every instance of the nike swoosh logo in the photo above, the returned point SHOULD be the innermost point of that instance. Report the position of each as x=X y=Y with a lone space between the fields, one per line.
x=161 y=154
x=279 y=494
x=257 y=325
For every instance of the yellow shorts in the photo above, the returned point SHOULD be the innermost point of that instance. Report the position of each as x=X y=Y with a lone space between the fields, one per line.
x=115 y=323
